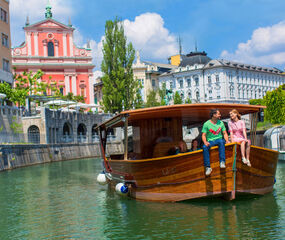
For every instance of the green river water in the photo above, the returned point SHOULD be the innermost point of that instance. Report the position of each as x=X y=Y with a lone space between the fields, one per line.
x=63 y=201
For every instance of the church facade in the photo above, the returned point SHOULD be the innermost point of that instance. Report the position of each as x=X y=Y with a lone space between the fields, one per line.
x=49 y=46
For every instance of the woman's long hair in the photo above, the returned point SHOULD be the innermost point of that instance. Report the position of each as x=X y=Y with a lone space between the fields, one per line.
x=237 y=113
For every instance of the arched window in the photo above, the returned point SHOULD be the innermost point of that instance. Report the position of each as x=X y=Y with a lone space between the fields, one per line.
x=50 y=49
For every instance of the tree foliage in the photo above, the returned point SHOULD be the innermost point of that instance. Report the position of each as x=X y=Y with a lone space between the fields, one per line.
x=162 y=94
x=259 y=101
x=139 y=100
x=188 y=100
x=275 y=105
x=177 y=98
x=120 y=87
x=151 y=100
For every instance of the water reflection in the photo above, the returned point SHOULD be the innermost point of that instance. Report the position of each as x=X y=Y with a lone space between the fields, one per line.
x=246 y=218
x=63 y=201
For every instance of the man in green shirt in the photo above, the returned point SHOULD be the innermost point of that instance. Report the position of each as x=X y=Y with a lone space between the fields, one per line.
x=212 y=136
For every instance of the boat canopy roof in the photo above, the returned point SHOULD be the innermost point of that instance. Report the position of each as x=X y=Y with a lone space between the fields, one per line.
x=191 y=114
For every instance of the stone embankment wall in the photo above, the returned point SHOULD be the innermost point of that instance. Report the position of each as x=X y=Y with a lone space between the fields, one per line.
x=14 y=156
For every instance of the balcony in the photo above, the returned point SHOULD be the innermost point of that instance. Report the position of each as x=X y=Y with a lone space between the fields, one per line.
x=6 y=76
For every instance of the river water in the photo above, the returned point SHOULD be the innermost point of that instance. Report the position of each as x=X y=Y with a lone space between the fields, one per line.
x=63 y=201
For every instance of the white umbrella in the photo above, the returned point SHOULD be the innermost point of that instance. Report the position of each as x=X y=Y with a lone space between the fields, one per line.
x=84 y=105
x=67 y=110
x=79 y=105
x=59 y=103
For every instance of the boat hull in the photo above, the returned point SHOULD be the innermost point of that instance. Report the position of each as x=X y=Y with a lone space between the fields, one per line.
x=182 y=177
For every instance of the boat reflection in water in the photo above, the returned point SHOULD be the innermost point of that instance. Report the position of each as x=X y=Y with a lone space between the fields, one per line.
x=245 y=218
x=151 y=171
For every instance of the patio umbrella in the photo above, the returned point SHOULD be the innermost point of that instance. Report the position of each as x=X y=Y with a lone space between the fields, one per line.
x=84 y=105
x=59 y=103
x=67 y=110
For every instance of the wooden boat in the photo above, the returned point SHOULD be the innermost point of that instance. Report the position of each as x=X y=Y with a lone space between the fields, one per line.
x=153 y=175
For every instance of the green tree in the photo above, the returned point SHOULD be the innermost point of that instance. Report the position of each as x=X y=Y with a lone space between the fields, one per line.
x=120 y=87
x=162 y=94
x=30 y=82
x=188 y=100
x=177 y=98
x=275 y=105
x=151 y=100
x=6 y=89
x=257 y=102
x=139 y=100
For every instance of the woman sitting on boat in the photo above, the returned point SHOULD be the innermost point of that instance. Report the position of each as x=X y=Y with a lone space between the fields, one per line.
x=194 y=145
x=238 y=134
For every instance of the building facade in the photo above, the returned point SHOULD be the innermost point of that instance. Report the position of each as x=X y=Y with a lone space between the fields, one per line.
x=49 y=46
x=147 y=73
x=5 y=49
x=202 y=79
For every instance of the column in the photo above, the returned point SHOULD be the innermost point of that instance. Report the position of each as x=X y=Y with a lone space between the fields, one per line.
x=56 y=47
x=36 y=40
x=29 y=44
x=67 y=86
x=71 y=44
x=91 y=89
x=45 y=47
x=64 y=45
x=74 y=85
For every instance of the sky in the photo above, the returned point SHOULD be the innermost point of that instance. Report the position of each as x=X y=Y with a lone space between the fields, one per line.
x=247 y=31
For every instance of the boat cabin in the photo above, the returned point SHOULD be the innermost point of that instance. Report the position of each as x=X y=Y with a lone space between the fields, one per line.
x=154 y=132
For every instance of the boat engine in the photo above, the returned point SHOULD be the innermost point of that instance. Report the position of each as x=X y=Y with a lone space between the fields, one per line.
x=122 y=189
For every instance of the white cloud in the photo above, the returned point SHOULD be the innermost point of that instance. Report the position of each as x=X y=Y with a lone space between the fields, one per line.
x=97 y=54
x=149 y=35
x=35 y=9
x=266 y=47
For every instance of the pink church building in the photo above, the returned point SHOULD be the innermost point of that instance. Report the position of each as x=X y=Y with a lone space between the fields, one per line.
x=49 y=46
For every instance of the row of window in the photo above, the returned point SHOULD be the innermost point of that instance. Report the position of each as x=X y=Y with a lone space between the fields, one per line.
x=3 y=15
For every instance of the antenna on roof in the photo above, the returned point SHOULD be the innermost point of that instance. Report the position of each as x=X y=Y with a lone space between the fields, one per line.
x=196 y=48
x=179 y=40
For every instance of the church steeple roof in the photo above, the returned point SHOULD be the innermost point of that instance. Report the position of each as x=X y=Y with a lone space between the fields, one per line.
x=48 y=13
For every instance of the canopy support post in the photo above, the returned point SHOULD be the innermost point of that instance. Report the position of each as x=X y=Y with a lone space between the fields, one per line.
x=126 y=139
x=253 y=125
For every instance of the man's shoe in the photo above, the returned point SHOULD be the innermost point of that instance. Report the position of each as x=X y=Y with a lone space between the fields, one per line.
x=222 y=165
x=208 y=171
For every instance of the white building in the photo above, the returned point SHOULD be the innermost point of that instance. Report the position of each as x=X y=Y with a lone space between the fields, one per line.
x=147 y=74
x=204 y=80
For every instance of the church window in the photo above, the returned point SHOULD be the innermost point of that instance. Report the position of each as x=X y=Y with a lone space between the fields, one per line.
x=61 y=90
x=50 y=49
x=82 y=93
